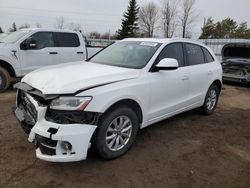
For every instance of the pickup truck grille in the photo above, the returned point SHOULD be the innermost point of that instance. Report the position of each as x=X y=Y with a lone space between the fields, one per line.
x=27 y=107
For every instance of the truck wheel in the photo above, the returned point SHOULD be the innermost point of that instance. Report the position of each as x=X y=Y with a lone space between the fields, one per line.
x=211 y=100
x=116 y=132
x=4 y=79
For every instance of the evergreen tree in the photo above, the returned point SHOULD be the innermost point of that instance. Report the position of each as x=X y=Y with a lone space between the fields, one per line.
x=13 y=28
x=208 y=29
x=129 y=25
x=1 y=31
x=227 y=28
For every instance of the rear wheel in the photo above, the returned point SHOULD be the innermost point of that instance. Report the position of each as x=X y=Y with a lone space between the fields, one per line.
x=116 y=132
x=211 y=100
x=4 y=79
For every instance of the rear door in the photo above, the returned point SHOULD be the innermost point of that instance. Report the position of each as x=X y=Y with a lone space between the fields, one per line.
x=168 y=88
x=69 y=47
x=200 y=72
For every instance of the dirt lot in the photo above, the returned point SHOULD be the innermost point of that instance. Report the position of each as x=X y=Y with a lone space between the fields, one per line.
x=190 y=150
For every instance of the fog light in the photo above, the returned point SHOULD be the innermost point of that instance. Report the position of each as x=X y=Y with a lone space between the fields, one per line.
x=66 y=146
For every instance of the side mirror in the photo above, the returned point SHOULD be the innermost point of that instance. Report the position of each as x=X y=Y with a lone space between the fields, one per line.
x=167 y=64
x=29 y=43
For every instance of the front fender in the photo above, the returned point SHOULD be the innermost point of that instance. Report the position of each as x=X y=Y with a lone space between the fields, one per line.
x=105 y=96
x=13 y=62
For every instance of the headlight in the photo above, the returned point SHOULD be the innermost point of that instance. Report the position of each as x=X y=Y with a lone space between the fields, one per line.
x=70 y=103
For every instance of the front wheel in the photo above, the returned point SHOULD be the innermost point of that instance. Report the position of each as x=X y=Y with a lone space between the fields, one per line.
x=4 y=79
x=211 y=100
x=116 y=132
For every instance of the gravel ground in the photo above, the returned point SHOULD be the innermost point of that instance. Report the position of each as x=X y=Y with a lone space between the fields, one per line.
x=189 y=150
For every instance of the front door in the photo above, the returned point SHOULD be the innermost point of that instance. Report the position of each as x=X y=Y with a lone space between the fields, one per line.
x=43 y=54
x=168 y=88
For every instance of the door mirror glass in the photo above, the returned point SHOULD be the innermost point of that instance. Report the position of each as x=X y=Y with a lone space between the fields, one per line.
x=29 y=43
x=167 y=64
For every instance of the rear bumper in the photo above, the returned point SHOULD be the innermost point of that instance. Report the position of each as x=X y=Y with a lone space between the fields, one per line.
x=50 y=137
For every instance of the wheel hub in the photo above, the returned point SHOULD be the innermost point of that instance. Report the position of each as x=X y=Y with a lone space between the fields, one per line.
x=118 y=133
x=211 y=99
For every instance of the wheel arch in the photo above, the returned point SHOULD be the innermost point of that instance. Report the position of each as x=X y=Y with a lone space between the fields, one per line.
x=130 y=103
x=218 y=84
x=8 y=67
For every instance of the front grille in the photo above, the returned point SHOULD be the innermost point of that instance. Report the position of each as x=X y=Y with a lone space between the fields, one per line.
x=45 y=141
x=46 y=151
x=27 y=107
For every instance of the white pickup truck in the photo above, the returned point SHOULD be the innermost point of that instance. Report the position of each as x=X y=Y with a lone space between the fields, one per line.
x=29 y=49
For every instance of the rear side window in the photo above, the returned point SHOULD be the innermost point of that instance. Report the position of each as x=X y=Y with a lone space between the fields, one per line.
x=195 y=54
x=66 y=39
x=174 y=51
x=209 y=58
x=43 y=40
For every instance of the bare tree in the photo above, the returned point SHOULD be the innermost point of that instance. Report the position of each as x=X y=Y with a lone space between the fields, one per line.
x=38 y=25
x=23 y=26
x=148 y=18
x=188 y=16
x=75 y=26
x=169 y=13
x=60 y=23
x=106 y=35
x=94 y=35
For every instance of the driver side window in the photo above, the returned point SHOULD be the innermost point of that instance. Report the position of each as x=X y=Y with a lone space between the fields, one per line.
x=43 y=40
x=174 y=51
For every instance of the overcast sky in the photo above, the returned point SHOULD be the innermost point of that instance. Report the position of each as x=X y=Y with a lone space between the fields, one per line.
x=105 y=15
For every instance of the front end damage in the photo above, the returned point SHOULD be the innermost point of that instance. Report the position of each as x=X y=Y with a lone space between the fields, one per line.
x=236 y=71
x=58 y=136
x=236 y=63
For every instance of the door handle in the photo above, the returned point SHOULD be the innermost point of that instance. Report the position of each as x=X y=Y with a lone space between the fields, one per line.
x=53 y=53
x=79 y=52
x=185 y=78
x=210 y=73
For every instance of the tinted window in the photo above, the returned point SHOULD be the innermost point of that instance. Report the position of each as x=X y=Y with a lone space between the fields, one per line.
x=174 y=51
x=43 y=39
x=195 y=54
x=67 y=40
x=208 y=56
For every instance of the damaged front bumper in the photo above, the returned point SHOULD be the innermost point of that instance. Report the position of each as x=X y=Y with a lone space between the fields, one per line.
x=54 y=142
x=236 y=70
x=236 y=78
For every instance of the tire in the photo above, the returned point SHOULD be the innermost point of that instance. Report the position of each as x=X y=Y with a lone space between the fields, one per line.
x=211 y=100
x=106 y=135
x=4 y=79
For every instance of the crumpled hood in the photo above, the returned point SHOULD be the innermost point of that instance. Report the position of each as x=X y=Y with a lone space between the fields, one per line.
x=71 y=77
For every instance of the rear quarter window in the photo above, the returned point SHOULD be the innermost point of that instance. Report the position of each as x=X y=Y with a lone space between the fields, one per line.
x=208 y=57
x=66 y=39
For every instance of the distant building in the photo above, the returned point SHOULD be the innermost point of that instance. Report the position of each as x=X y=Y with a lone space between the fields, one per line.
x=217 y=44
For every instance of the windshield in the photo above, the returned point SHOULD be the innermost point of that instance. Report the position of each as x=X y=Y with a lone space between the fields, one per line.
x=129 y=54
x=15 y=36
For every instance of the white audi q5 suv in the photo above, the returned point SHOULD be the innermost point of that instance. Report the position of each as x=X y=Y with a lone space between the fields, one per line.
x=104 y=101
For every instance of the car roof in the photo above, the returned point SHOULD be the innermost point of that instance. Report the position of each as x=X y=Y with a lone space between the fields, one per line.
x=49 y=29
x=164 y=40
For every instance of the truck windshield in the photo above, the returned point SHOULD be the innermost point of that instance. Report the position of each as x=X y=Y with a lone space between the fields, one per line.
x=15 y=36
x=129 y=54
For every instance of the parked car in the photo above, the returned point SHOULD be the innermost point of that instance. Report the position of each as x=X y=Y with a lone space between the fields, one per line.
x=104 y=101
x=236 y=63
x=29 y=49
